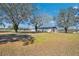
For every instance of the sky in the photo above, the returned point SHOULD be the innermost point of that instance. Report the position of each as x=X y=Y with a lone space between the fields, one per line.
x=54 y=8
x=51 y=9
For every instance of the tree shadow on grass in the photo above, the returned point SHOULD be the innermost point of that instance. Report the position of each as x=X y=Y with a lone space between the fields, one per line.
x=5 y=38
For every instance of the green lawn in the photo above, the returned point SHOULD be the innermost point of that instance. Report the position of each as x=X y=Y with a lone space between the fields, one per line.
x=45 y=44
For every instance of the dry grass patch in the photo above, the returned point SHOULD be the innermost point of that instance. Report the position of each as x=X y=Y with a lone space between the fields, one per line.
x=45 y=44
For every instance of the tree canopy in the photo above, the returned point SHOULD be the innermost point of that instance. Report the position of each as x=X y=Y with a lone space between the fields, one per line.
x=15 y=13
x=66 y=18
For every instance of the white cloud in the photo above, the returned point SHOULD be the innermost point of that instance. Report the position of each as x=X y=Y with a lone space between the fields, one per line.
x=75 y=7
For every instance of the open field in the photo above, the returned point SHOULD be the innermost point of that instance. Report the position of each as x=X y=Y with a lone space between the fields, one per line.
x=45 y=44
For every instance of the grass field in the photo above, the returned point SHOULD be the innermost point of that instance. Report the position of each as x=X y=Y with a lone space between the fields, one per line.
x=45 y=44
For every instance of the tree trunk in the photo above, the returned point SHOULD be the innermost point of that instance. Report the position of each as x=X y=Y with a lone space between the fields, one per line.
x=53 y=29
x=36 y=28
x=76 y=29
x=15 y=27
x=66 y=29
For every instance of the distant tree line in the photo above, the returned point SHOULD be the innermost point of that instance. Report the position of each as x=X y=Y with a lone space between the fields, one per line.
x=17 y=13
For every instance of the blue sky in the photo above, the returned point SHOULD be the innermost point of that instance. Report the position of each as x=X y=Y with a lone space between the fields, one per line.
x=51 y=9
